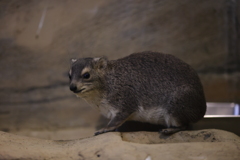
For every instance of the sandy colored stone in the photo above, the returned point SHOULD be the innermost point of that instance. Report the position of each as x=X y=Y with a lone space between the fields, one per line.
x=63 y=134
x=202 y=144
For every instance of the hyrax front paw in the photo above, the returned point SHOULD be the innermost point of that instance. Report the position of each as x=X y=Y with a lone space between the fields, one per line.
x=172 y=130
x=167 y=131
x=104 y=130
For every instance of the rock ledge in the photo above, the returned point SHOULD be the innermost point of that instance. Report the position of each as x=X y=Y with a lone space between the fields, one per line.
x=203 y=144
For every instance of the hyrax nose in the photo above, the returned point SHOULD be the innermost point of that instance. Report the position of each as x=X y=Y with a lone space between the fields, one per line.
x=73 y=87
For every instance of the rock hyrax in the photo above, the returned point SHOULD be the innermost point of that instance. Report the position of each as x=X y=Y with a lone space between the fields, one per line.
x=148 y=87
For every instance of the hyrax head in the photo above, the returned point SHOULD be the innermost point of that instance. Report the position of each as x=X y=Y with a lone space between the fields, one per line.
x=86 y=75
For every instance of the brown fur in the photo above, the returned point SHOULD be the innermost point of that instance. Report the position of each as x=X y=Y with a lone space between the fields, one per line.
x=149 y=87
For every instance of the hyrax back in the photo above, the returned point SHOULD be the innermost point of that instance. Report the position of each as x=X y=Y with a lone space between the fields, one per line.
x=148 y=87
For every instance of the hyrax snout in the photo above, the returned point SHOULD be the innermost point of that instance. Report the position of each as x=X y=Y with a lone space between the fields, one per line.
x=148 y=87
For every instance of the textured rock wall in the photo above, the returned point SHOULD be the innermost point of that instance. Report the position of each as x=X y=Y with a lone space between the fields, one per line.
x=34 y=60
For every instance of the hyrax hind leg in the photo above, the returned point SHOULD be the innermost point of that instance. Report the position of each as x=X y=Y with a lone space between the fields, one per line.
x=114 y=123
x=173 y=125
x=181 y=109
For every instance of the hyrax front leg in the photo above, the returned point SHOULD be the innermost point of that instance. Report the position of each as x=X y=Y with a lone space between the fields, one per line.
x=114 y=123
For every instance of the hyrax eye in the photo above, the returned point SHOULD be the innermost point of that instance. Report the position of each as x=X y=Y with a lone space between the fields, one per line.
x=86 y=75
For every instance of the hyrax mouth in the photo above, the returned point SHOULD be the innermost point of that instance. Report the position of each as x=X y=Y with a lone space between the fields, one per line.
x=79 y=91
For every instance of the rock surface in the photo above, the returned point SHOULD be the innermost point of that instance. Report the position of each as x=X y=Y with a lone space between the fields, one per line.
x=202 y=144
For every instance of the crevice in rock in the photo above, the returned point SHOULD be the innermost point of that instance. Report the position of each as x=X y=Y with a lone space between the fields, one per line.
x=45 y=100
x=34 y=88
x=179 y=137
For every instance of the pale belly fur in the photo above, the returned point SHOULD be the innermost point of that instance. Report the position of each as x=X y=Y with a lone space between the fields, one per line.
x=153 y=115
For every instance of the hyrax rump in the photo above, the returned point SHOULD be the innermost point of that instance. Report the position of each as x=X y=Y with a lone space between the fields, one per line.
x=148 y=87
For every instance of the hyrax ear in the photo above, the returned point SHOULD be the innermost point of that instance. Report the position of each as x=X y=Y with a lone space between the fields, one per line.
x=100 y=63
x=73 y=60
